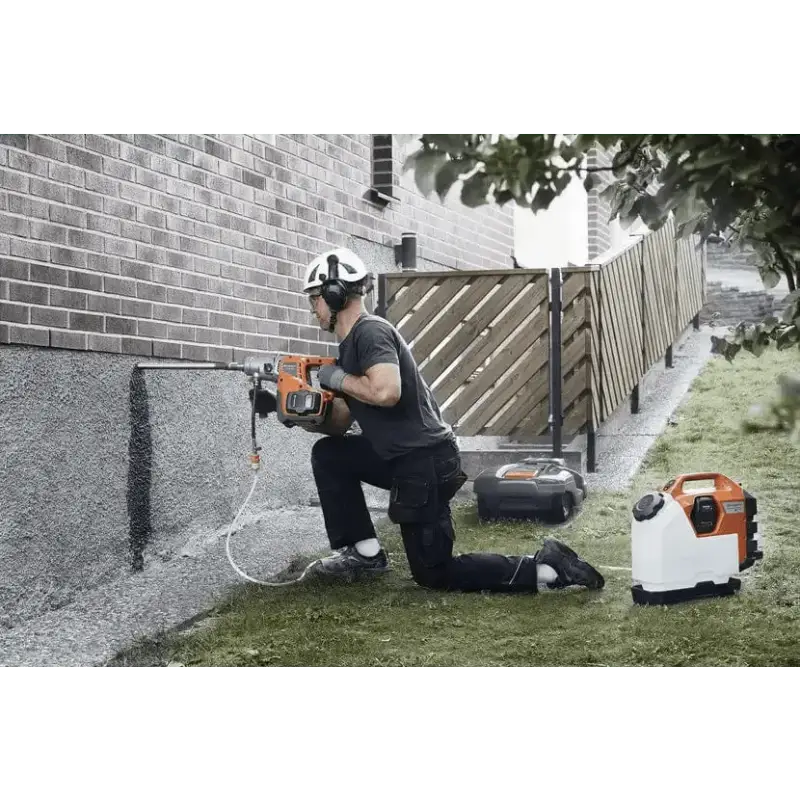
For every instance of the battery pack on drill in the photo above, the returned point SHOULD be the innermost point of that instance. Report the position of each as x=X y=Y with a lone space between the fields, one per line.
x=298 y=399
x=304 y=402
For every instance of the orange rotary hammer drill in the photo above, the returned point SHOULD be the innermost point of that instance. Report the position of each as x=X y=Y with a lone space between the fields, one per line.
x=298 y=400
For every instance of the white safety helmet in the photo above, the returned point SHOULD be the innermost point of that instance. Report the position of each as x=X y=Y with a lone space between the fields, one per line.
x=350 y=269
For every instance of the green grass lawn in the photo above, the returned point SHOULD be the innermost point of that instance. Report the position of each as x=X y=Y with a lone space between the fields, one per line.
x=390 y=621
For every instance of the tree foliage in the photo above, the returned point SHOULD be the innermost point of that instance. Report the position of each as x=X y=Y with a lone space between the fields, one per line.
x=744 y=188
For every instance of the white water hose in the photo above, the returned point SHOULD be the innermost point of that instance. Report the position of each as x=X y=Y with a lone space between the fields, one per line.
x=239 y=571
x=256 y=370
x=251 y=367
x=293 y=581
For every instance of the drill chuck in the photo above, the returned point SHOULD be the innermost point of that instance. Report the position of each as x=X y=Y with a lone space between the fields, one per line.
x=258 y=368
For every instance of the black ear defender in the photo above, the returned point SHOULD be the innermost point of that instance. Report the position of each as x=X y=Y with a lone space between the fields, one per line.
x=334 y=290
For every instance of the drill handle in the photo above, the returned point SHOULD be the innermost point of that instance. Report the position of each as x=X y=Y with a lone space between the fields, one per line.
x=675 y=487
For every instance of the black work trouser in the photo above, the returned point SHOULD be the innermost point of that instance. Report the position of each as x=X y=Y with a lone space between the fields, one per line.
x=421 y=486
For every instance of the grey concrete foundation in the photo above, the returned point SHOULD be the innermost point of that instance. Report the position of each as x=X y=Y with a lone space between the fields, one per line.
x=107 y=470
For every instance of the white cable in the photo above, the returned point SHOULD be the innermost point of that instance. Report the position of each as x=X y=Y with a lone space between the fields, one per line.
x=230 y=558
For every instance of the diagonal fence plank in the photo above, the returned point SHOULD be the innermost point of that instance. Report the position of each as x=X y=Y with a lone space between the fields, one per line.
x=454 y=315
x=405 y=302
x=481 y=387
x=486 y=345
x=469 y=333
x=427 y=309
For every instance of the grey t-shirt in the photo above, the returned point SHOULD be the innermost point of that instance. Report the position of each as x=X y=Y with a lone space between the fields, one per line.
x=416 y=420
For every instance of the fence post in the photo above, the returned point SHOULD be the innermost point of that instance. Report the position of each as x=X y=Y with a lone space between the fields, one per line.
x=591 y=448
x=643 y=309
x=381 y=309
x=555 y=361
x=674 y=330
x=676 y=304
x=592 y=347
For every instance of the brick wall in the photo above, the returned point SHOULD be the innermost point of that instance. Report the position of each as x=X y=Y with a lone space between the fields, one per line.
x=599 y=210
x=730 y=305
x=193 y=246
x=721 y=256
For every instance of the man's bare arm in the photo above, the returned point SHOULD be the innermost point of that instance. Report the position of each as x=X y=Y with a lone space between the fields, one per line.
x=380 y=386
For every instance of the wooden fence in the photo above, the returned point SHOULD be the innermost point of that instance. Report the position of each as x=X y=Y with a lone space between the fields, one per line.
x=490 y=342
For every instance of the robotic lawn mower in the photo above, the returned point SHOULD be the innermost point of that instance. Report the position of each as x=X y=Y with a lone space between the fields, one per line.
x=542 y=488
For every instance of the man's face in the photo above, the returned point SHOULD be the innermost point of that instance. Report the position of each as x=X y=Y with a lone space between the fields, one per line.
x=320 y=309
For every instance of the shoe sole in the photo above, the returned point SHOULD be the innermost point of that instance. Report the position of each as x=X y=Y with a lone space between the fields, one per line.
x=350 y=575
x=580 y=571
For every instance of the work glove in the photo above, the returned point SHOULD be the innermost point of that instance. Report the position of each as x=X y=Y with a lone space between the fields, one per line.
x=266 y=402
x=331 y=377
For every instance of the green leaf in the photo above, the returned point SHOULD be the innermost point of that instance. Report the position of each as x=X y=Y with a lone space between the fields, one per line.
x=788 y=337
x=627 y=206
x=724 y=347
x=426 y=165
x=447 y=175
x=562 y=181
x=589 y=182
x=475 y=189
x=523 y=170
x=542 y=199
x=609 y=193
x=501 y=198
x=569 y=154
x=712 y=159
x=789 y=313
x=770 y=278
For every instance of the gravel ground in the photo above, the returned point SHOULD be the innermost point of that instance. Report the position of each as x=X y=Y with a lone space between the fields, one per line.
x=91 y=630
x=625 y=438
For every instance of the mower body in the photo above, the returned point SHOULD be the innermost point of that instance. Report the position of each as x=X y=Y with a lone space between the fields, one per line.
x=529 y=489
x=687 y=544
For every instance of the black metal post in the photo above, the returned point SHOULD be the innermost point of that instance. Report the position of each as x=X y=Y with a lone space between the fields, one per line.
x=668 y=358
x=555 y=361
x=635 y=400
x=380 y=310
x=409 y=251
x=696 y=322
x=591 y=448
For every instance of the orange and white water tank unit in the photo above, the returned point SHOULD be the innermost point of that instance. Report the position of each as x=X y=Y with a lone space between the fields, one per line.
x=688 y=543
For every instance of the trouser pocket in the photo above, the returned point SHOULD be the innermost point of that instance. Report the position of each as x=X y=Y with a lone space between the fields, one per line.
x=413 y=497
